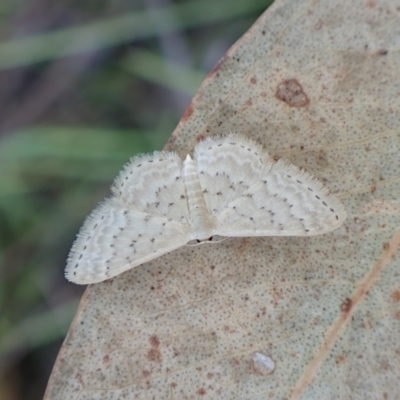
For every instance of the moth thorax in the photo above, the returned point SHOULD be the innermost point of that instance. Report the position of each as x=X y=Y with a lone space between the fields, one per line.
x=200 y=217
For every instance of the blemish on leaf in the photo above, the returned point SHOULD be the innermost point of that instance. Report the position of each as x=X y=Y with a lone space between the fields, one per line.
x=386 y=246
x=396 y=296
x=346 y=305
x=188 y=113
x=154 y=341
x=276 y=158
x=340 y=359
x=200 y=138
x=154 y=355
x=263 y=364
x=291 y=92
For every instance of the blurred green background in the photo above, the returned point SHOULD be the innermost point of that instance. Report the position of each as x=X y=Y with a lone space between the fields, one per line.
x=84 y=85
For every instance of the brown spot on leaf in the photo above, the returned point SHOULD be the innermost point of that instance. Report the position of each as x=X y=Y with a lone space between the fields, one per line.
x=154 y=355
x=154 y=341
x=291 y=92
x=200 y=138
x=201 y=391
x=243 y=245
x=386 y=246
x=340 y=359
x=276 y=158
x=188 y=113
x=253 y=80
x=106 y=359
x=396 y=296
x=346 y=305
x=373 y=188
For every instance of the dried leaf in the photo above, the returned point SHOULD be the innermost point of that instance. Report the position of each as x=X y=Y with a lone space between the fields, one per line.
x=277 y=318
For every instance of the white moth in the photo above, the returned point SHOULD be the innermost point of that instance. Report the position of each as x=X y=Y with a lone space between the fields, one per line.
x=231 y=187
